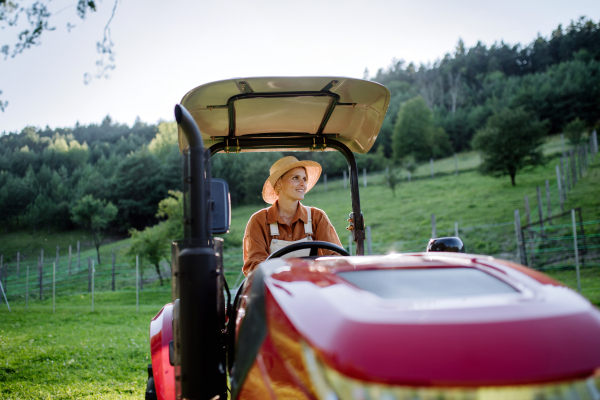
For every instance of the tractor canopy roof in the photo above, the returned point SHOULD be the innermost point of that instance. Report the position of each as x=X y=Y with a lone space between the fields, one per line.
x=346 y=109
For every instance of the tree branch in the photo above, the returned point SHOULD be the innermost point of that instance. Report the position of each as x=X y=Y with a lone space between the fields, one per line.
x=106 y=62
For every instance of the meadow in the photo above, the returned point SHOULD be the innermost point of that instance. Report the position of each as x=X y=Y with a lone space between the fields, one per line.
x=75 y=353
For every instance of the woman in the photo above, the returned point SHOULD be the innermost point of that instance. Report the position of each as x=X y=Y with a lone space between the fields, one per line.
x=287 y=221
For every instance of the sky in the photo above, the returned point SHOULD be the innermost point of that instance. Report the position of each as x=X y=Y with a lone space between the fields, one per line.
x=164 y=49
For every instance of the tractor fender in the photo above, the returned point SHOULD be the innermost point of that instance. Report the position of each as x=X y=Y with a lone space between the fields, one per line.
x=161 y=334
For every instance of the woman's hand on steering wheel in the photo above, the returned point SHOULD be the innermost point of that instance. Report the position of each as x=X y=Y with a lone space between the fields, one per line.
x=314 y=247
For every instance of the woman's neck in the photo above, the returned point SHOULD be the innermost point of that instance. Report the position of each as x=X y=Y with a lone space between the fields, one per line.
x=287 y=208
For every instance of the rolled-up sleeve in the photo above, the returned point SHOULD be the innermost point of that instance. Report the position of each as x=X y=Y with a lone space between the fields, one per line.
x=256 y=248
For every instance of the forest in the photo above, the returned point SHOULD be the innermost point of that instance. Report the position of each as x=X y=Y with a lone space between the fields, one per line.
x=46 y=173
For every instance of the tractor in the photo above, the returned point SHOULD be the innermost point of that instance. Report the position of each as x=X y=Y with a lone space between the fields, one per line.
x=440 y=324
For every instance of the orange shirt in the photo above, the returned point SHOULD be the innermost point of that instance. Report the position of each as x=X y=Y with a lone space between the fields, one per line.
x=257 y=238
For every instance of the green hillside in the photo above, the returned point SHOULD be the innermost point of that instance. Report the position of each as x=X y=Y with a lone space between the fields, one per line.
x=467 y=198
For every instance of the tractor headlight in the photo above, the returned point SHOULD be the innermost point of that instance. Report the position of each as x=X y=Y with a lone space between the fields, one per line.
x=329 y=384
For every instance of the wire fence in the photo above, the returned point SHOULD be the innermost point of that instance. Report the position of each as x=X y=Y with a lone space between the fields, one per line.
x=544 y=236
x=47 y=279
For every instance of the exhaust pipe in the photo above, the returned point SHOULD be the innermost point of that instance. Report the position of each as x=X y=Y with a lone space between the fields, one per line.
x=202 y=373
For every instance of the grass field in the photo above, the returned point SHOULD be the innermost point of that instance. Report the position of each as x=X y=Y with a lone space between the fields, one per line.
x=74 y=353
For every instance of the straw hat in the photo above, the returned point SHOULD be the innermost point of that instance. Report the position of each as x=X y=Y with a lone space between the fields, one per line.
x=283 y=165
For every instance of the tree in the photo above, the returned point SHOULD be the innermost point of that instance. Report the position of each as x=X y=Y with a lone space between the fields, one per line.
x=137 y=187
x=414 y=133
x=95 y=215
x=409 y=164
x=510 y=142
x=393 y=179
x=153 y=243
x=39 y=212
x=575 y=130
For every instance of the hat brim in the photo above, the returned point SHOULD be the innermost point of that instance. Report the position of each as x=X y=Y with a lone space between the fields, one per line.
x=313 y=172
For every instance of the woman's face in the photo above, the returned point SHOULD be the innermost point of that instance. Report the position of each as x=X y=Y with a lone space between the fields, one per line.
x=293 y=184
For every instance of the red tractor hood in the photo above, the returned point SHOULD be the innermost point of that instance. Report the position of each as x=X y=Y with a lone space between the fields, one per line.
x=526 y=328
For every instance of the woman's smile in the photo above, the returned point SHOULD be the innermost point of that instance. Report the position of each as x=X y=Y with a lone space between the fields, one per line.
x=293 y=184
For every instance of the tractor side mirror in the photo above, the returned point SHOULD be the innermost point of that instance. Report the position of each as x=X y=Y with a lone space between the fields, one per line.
x=449 y=244
x=221 y=206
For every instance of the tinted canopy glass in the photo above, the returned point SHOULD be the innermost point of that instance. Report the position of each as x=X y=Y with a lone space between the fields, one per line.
x=427 y=283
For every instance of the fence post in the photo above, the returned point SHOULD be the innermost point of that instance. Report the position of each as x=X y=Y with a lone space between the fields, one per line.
x=5 y=299
x=582 y=261
x=69 y=260
x=54 y=287
x=520 y=248
x=27 y=288
x=369 y=245
x=456 y=229
x=78 y=259
x=113 y=271
x=350 y=244
x=18 y=262
x=455 y=164
x=325 y=181
x=365 y=177
x=579 y=163
x=568 y=173
x=576 y=249
x=344 y=179
x=562 y=139
x=93 y=273
x=527 y=213
x=548 y=201
x=563 y=177
x=57 y=255
x=595 y=142
x=531 y=236
x=561 y=190
x=433 y=229
x=588 y=156
x=431 y=165
x=137 y=284
x=89 y=274
x=573 y=167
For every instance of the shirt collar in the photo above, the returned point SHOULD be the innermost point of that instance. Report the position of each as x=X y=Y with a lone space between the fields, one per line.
x=273 y=214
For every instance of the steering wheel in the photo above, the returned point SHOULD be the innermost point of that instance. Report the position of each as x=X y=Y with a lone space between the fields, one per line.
x=314 y=247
